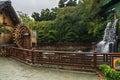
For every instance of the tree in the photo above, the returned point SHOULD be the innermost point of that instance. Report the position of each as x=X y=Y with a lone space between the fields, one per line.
x=71 y=3
x=83 y=21
x=80 y=23
x=61 y=3
x=61 y=25
x=44 y=32
x=45 y=15
x=36 y=16
x=26 y=19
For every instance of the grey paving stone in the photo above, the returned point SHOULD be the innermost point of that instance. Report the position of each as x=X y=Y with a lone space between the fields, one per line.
x=11 y=69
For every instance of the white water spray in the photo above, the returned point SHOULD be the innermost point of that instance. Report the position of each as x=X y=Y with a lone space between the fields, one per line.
x=108 y=44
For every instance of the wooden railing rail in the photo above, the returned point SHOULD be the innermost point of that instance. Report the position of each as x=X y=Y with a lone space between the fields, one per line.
x=63 y=44
x=61 y=58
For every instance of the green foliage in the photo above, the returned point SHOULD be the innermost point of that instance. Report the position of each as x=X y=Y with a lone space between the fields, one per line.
x=118 y=62
x=42 y=36
x=52 y=36
x=83 y=20
x=63 y=3
x=1 y=26
x=80 y=23
x=103 y=2
x=45 y=15
x=104 y=68
x=36 y=16
x=119 y=48
x=109 y=73
x=45 y=32
x=3 y=29
x=71 y=3
x=70 y=37
x=47 y=37
x=26 y=19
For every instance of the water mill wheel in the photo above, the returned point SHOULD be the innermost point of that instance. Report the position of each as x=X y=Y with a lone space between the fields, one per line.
x=22 y=36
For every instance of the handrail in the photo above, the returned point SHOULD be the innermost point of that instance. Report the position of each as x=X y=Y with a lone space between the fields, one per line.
x=98 y=53
x=62 y=58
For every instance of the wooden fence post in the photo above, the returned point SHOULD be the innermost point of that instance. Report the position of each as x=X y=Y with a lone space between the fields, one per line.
x=95 y=60
x=32 y=57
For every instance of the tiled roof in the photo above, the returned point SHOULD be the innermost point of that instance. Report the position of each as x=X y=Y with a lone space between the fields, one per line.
x=4 y=4
x=10 y=10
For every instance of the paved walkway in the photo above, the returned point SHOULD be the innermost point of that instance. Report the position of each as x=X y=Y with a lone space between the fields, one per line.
x=11 y=69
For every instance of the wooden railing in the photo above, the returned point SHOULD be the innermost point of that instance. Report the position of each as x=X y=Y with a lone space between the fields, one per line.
x=75 y=59
x=63 y=46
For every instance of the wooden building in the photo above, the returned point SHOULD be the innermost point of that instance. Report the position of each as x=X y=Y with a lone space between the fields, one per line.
x=9 y=19
x=19 y=34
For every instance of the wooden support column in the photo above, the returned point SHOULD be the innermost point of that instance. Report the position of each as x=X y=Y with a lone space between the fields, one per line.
x=95 y=60
x=32 y=57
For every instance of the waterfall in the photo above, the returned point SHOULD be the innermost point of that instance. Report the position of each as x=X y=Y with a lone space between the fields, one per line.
x=109 y=42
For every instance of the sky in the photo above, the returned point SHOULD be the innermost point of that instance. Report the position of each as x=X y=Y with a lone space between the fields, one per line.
x=29 y=6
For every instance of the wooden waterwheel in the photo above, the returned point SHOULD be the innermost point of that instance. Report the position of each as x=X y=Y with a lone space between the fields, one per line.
x=22 y=36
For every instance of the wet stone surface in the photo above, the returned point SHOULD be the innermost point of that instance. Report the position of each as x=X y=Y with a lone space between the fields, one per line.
x=11 y=69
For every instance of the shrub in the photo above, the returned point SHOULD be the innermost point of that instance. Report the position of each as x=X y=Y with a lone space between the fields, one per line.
x=109 y=73
x=118 y=62
x=104 y=68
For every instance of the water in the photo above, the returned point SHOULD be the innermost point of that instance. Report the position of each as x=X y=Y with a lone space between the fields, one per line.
x=109 y=42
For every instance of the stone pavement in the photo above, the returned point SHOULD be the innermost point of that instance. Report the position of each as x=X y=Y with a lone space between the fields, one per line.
x=11 y=69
